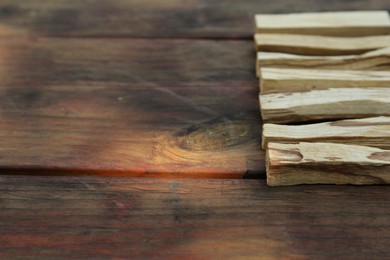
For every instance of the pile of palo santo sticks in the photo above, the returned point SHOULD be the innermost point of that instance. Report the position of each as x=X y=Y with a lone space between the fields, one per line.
x=325 y=97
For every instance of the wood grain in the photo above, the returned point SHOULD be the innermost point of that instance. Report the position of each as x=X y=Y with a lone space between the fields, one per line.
x=275 y=80
x=319 y=45
x=118 y=106
x=374 y=132
x=373 y=60
x=129 y=107
x=328 y=104
x=326 y=163
x=85 y=218
x=151 y=19
x=357 y=23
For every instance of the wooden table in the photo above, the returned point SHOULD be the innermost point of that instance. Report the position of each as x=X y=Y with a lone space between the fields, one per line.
x=155 y=89
x=90 y=217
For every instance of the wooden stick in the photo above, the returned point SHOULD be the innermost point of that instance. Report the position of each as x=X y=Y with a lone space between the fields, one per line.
x=329 y=104
x=373 y=132
x=288 y=80
x=326 y=163
x=373 y=60
x=319 y=45
x=357 y=23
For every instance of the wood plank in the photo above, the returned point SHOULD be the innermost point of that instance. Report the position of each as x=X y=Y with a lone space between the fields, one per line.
x=326 y=163
x=172 y=18
x=373 y=132
x=356 y=23
x=274 y=80
x=319 y=45
x=129 y=107
x=373 y=60
x=329 y=104
x=85 y=217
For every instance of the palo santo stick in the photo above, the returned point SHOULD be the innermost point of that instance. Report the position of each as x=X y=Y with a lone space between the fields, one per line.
x=355 y=23
x=289 y=80
x=373 y=60
x=326 y=163
x=374 y=131
x=319 y=45
x=329 y=104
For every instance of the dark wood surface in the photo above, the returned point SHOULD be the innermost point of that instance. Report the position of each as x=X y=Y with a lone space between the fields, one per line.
x=89 y=218
x=151 y=18
x=90 y=87
x=177 y=108
x=83 y=91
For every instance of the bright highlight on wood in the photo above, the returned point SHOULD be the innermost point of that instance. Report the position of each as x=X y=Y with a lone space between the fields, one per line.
x=326 y=163
x=374 y=131
x=358 y=23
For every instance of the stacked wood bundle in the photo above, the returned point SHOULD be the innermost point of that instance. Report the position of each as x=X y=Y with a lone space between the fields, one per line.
x=325 y=97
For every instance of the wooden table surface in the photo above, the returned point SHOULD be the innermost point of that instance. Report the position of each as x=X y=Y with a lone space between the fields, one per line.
x=91 y=217
x=134 y=88
x=156 y=89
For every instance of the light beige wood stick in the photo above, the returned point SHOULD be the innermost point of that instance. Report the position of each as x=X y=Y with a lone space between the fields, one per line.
x=329 y=104
x=373 y=60
x=274 y=80
x=355 y=23
x=319 y=45
x=326 y=163
x=373 y=131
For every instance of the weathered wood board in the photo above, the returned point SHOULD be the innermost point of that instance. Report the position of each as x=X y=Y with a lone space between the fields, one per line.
x=319 y=45
x=328 y=104
x=374 y=132
x=357 y=23
x=156 y=19
x=326 y=163
x=161 y=108
x=94 y=218
x=274 y=80
x=181 y=101
x=373 y=60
